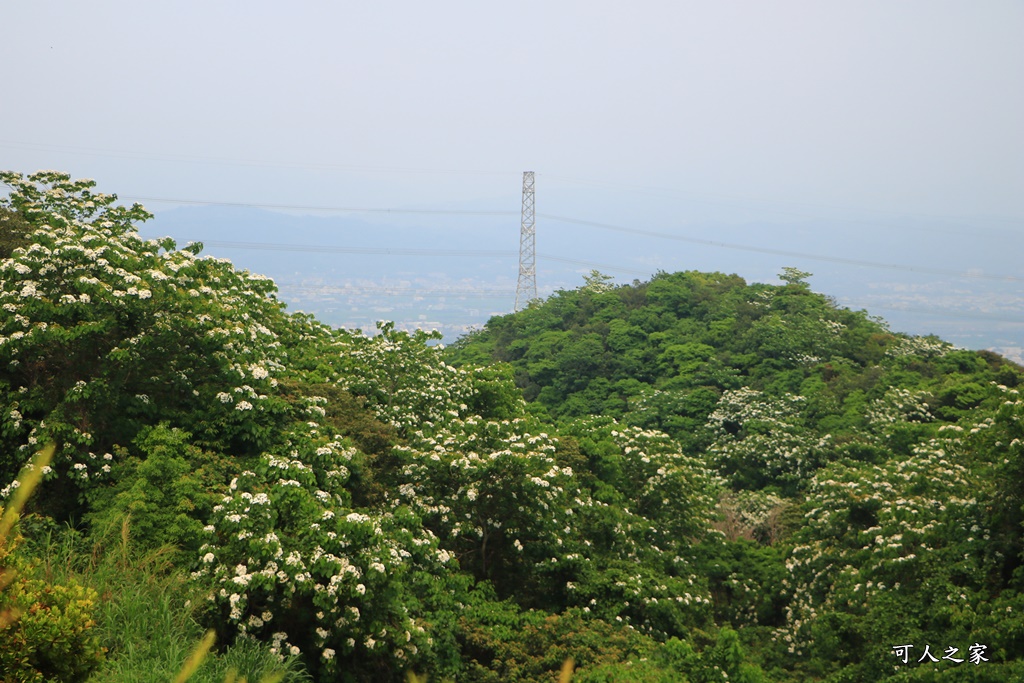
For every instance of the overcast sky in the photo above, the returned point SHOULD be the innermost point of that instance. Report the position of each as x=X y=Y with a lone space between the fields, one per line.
x=895 y=107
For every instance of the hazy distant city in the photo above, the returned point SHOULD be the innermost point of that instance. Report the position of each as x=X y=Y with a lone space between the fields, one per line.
x=453 y=272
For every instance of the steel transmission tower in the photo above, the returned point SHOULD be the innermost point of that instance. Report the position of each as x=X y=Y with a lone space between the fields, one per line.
x=526 y=290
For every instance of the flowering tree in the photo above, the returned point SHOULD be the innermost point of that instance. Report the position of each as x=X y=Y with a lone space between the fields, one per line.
x=758 y=440
x=148 y=365
x=105 y=332
x=408 y=383
x=293 y=564
x=907 y=538
x=633 y=558
x=493 y=491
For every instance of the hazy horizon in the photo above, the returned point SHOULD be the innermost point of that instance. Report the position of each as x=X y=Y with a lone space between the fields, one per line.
x=871 y=132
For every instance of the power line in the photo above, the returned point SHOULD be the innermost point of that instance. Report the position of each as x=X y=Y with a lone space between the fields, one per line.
x=496 y=293
x=479 y=293
x=591 y=264
x=304 y=207
x=616 y=228
x=380 y=251
x=810 y=210
x=392 y=251
x=777 y=206
x=781 y=252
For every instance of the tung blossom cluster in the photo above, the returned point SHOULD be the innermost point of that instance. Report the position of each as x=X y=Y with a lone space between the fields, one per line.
x=85 y=267
x=337 y=559
x=871 y=528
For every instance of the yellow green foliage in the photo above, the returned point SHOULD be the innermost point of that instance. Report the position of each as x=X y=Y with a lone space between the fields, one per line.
x=46 y=630
x=51 y=637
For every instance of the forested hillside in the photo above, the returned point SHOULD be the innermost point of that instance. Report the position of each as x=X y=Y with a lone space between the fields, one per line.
x=688 y=479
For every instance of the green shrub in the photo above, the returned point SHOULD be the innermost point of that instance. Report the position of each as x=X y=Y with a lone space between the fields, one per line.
x=501 y=643
x=46 y=630
x=53 y=638
x=168 y=490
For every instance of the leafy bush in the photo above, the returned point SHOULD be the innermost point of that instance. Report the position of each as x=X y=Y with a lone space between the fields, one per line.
x=46 y=629
x=54 y=635
x=291 y=563
x=166 y=491
x=501 y=643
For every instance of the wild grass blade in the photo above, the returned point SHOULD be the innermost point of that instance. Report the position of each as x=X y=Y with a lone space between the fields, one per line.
x=568 y=666
x=197 y=657
x=28 y=479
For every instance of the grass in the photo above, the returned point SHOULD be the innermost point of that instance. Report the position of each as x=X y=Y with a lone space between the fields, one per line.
x=146 y=618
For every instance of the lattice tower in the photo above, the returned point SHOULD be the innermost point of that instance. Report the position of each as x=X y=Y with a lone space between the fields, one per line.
x=526 y=289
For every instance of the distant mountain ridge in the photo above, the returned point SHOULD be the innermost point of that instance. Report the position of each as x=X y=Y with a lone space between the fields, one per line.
x=357 y=289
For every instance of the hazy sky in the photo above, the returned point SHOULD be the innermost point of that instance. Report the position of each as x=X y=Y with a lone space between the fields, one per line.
x=896 y=107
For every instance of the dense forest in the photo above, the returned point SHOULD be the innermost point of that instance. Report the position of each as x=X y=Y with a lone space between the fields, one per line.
x=687 y=479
